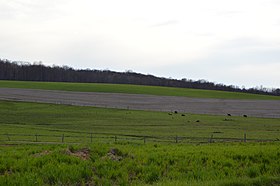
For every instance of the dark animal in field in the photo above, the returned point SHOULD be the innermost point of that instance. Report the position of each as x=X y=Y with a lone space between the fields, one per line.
x=197 y=121
x=183 y=115
x=176 y=112
x=245 y=116
x=229 y=114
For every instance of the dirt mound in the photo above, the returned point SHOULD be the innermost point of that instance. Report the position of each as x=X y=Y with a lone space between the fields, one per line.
x=83 y=153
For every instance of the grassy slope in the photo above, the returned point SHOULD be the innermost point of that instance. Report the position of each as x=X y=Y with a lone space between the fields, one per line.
x=216 y=164
x=163 y=164
x=32 y=118
x=133 y=89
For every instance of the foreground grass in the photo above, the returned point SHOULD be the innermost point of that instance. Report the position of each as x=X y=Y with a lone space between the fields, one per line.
x=51 y=119
x=134 y=89
x=134 y=164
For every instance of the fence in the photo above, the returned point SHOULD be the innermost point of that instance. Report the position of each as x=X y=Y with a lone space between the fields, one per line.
x=96 y=137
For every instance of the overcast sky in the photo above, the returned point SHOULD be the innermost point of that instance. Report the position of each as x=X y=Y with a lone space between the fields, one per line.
x=225 y=41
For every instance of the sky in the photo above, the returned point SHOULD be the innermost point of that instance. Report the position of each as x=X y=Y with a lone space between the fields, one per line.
x=234 y=42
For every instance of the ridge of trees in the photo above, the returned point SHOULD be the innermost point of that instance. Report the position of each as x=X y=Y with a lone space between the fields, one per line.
x=25 y=71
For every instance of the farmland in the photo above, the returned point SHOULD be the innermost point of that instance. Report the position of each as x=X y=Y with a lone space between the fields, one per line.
x=56 y=144
x=134 y=89
x=131 y=162
x=39 y=118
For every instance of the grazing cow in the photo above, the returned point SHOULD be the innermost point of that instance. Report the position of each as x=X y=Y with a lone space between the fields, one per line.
x=197 y=121
x=183 y=115
x=229 y=114
x=245 y=116
x=176 y=112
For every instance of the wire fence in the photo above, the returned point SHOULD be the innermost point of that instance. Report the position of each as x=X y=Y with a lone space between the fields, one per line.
x=94 y=137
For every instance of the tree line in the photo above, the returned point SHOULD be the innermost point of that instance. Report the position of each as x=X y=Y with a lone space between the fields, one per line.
x=24 y=71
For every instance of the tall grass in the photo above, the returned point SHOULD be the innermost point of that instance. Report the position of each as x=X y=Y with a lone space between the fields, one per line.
x=134 y=164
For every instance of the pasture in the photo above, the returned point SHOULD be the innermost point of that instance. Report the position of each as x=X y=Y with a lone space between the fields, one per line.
x=104 y=161
x=43 y=119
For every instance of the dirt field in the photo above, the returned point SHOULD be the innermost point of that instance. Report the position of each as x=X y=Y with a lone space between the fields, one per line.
x=258 y=108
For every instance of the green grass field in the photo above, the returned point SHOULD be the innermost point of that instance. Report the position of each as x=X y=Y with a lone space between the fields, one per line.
x=48 y=144
x=42 y=119
x=133 y=89
x=134 y=164
x=127 y=161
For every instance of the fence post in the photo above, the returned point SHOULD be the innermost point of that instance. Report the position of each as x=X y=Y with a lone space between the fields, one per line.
x=62 y=138
x=245 y=137
x=115 y=138
x=36 y=136
x=91 y=137
x=211 y=139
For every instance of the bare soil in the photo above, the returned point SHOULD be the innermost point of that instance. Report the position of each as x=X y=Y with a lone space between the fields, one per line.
x=83 y=154
x=256 y=108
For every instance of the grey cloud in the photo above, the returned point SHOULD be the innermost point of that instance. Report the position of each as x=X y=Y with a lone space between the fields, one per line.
x=240 y=52
x=221 y=65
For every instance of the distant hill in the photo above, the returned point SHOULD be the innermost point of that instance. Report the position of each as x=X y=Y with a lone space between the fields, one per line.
x=24 y=71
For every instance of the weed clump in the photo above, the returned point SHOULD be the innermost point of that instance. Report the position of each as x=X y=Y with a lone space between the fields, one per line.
x=115 y=154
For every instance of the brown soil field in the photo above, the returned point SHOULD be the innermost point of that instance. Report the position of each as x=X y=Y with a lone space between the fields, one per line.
x=256 y=108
